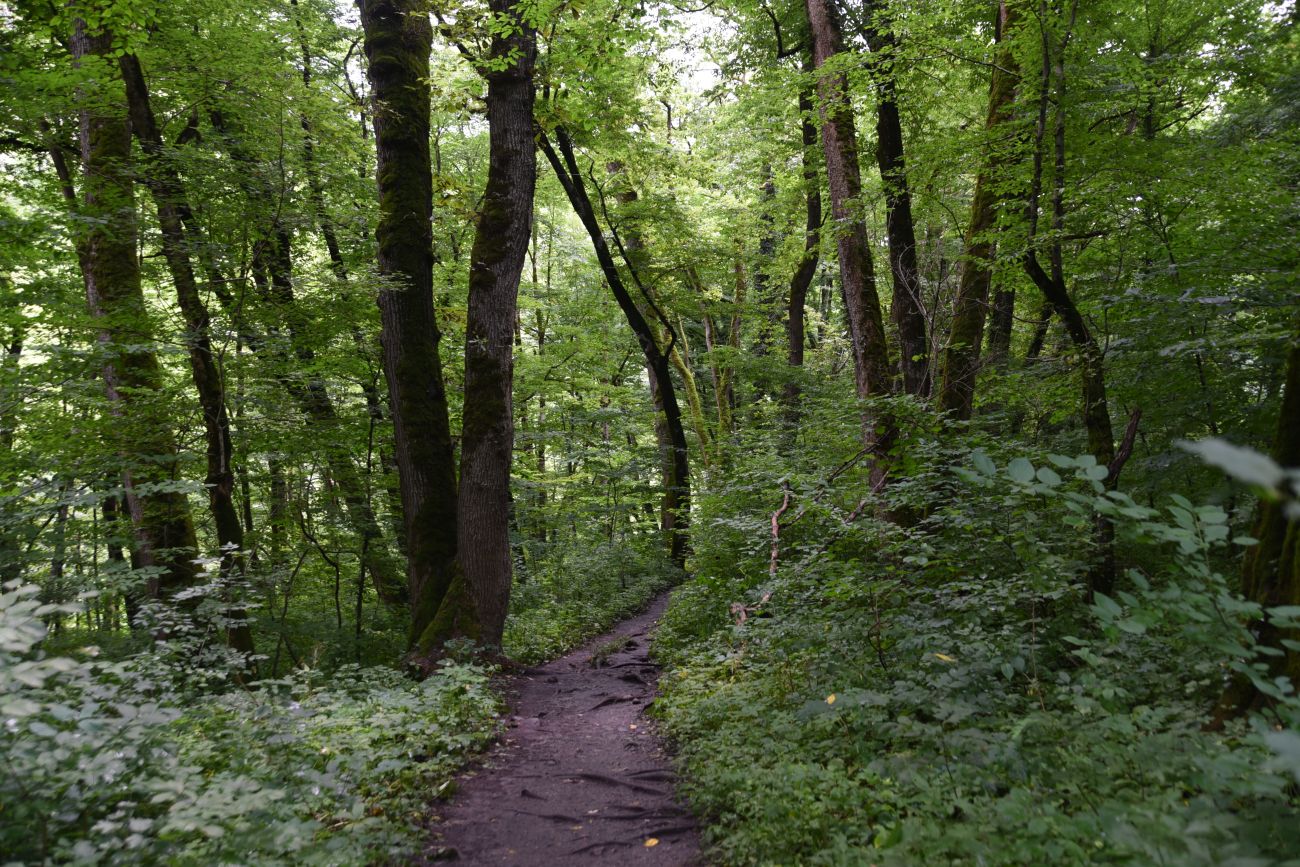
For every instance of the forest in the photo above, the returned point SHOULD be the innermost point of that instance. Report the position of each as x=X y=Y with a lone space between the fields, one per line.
x=737 y=432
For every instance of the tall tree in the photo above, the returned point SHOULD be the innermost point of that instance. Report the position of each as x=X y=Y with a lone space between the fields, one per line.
x=164 y=535
x=496 y=261
x=906 y=308
x=676 y=498
x=962 y=353
x=873 y=374
x=173 y=210
x=807 y=268
x=398 y=41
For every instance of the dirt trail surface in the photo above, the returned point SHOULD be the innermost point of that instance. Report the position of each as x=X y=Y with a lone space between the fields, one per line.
x=580 y=778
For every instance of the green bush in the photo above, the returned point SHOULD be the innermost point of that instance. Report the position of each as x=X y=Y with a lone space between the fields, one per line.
x=112 y=763
x=578 y=594
x=942 y=693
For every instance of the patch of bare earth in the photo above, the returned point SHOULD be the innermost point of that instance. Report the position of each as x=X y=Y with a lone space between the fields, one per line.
x=580 y=777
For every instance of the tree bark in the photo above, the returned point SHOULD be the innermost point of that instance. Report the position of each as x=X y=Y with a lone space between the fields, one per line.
x=676 y=499
x=496 y=261
x=173 y=210
x=872 y=371
x=1096 y=412
x=1271 y=570
x=398 y=41
x=962 y=354
x=803 y=275
x=907 y=309
x=163 y=529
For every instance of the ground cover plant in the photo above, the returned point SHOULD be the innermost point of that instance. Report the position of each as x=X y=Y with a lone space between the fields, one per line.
x=942 y=358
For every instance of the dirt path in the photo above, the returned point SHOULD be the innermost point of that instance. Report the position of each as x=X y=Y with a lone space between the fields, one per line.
x=580 y=778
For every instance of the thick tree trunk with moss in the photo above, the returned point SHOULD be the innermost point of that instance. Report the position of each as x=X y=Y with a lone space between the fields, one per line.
x=163 y=530
x=398 y=40
x=496 y=261
x=173 y=210
x=907 y=309
x=962 y=354
x=872 y=370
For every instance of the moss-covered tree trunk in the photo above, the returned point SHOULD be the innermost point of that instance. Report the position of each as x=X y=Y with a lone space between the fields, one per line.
x=398 y=40
x=496 y=261
x=962 y=353
x=163 y=530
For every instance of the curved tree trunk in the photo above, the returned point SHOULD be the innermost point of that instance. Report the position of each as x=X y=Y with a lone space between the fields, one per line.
x=676 y=503
x=173 y=209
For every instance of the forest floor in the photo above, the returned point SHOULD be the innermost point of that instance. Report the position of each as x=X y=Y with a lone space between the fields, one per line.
x=580 y=777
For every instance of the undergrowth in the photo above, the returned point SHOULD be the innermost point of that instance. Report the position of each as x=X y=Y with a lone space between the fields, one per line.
x=580 y=594
x=943 y=693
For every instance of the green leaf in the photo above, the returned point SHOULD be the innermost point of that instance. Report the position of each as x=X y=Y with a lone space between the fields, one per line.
x=1021 y=470
x=1243 y=464
x=1107 y=609
x=1096 y=473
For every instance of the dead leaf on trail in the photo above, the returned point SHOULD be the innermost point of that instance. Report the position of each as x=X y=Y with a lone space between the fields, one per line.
x=653 y=841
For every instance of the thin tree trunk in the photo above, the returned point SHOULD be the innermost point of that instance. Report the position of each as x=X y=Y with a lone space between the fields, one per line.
x=907 y=309
x=398 y=41
x=962 y=354
x=1096 y=413
x=803 y=275
x=872 y=370
x=173 y=209
x=676 y=500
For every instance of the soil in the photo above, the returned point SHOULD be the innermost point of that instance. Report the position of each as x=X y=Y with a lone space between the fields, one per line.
x=580 y=777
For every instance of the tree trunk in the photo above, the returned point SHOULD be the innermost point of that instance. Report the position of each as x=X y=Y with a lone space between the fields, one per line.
x=398 y=40
x=907 y=309
x=272 y=256
x=803 y=275
x=962 y=354
x=1271 y=570
x=173 y=209
x=496 y=261
x=872 y=369
x=163 y=529
x=676 y=502
x=1096 y=412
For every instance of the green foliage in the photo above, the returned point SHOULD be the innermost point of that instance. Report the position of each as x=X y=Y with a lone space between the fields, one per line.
x=582 y=594
x=107 y=763
x=942 y=693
